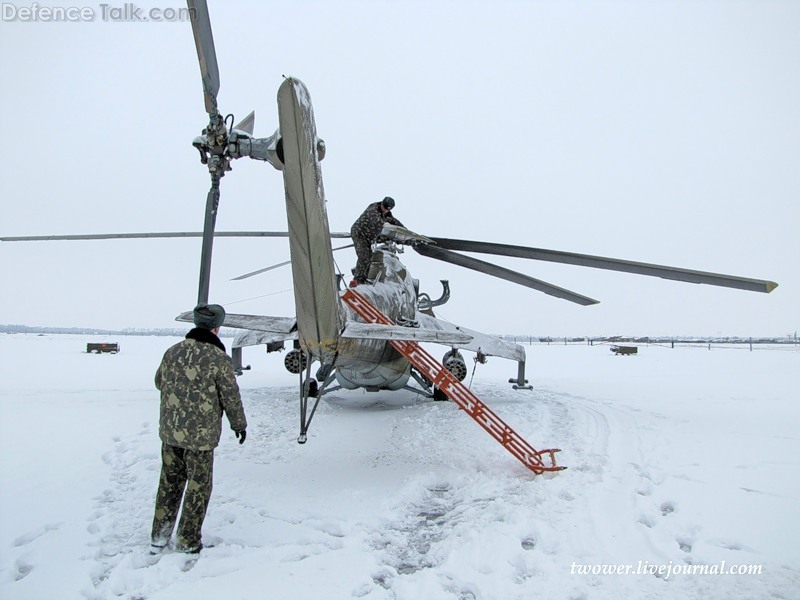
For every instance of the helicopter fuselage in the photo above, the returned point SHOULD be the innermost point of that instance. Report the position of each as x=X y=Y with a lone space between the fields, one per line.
x=375 y=364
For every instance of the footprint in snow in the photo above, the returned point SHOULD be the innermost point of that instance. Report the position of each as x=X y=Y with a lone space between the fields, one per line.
x=647 y=521
x=22 y=569
x=667 y=508
x=27 y=538
x=528 y=544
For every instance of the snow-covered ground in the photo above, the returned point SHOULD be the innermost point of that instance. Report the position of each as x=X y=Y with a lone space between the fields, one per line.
x=677 y=458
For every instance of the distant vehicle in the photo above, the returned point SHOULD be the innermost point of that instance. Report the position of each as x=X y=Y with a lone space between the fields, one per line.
x=625 y=350
x=101 y=347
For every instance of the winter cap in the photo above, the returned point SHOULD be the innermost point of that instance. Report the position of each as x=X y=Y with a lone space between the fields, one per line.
x=388 y=202
x=209 y=316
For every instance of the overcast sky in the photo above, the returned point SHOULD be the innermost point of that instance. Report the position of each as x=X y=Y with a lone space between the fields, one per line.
x=664 y=132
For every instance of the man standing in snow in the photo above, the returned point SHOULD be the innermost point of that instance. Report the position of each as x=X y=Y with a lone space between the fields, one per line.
x=366 y=230
x=197 y=385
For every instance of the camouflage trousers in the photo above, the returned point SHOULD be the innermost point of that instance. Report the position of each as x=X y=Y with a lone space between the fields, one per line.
x=363 y=249
x=181 y=470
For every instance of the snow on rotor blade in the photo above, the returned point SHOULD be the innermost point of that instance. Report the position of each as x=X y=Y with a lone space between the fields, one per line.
x=611 y=264
x=503 y=273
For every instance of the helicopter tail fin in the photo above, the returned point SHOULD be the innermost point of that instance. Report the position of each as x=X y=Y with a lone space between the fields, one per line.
x=319 y=320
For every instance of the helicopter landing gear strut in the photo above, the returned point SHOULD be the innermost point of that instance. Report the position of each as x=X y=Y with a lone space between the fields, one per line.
x=310 y=388
x=520 y=383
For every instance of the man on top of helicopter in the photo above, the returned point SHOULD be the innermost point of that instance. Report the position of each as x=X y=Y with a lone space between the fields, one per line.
x=366 y=230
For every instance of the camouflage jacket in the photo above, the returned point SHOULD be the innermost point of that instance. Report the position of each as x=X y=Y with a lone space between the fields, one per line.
x=369 y=225
x=197 y=385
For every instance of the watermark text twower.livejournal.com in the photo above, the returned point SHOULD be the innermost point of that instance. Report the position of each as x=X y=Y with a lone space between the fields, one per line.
x=664 y=571
x=127 y=12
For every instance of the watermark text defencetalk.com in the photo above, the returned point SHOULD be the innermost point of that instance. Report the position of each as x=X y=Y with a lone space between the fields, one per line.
x=127 y=12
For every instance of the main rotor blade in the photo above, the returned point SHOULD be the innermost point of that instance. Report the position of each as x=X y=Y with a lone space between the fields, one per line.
x=281 y=264
x=503 y=273
x=206 y=54
x=158 y=234
x=611 y=264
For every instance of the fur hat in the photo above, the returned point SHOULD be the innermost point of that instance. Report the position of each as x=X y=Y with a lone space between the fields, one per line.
x=209 y=316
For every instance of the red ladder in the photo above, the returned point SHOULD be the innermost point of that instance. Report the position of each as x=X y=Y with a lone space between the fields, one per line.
x=458 y=392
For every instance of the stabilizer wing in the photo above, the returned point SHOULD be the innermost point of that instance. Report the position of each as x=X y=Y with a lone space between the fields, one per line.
x=279 y=326
x=258 y=338
x=480 y=342
x=377 y=331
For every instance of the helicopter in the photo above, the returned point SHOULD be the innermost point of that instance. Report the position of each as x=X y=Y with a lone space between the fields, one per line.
x=327 y=331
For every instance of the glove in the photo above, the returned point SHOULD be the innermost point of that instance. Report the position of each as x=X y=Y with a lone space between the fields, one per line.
x=241 y=435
